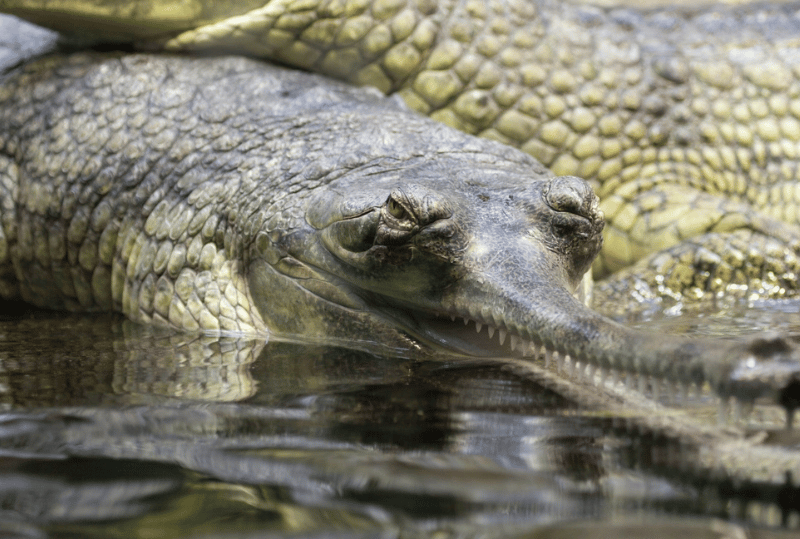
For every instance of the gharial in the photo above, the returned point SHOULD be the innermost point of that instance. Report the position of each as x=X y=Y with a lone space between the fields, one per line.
x=222 y=194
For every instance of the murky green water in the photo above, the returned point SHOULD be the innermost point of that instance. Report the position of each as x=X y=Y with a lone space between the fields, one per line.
x=111 y=430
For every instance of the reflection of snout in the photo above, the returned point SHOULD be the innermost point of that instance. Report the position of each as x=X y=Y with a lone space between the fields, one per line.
x=574 y=195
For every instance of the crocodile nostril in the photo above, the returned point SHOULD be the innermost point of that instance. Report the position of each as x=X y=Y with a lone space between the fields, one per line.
x=573 y=195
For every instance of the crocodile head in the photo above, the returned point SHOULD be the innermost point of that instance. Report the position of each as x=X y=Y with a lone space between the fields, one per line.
x=481 y=259
x=425 y=248
x=432 y=255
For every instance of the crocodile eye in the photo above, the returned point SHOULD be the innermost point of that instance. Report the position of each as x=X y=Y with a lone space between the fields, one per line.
x=396 y=210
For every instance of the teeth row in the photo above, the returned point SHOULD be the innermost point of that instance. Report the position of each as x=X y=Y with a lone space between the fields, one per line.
x=656 y=388
x=516 y=343
x=601 y=376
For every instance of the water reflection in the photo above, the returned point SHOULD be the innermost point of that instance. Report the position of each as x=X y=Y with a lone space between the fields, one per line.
x=110 y=429
x=721 y=318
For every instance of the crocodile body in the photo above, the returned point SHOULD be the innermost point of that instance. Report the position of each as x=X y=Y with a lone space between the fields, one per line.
x=170 y=189
x=684 y=119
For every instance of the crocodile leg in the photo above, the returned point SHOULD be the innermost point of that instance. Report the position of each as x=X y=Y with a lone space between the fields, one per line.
x=712 y=267
x=691 y=245
x=646 y=216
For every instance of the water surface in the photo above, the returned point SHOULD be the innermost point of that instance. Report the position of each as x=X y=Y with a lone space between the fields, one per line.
x=109 y=429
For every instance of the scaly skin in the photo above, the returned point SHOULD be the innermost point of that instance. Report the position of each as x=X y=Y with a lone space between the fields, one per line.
x=686 y=122
x=225 y=196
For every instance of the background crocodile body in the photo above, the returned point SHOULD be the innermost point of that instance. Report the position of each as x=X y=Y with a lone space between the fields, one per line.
x=685 y=119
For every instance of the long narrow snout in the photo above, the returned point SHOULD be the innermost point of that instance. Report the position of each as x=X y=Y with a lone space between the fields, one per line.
x=544 y=319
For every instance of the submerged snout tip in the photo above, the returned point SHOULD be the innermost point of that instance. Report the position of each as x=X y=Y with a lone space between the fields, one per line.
x=573 y=195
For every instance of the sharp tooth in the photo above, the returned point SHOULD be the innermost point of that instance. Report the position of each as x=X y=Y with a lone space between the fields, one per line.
x=452 y=318
x=466 y=321
x=524 y=346
x=548 y=358
x=502 y=336
x=534 y=350
x=478 y=326
x=515 y=342
x=491 y=331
